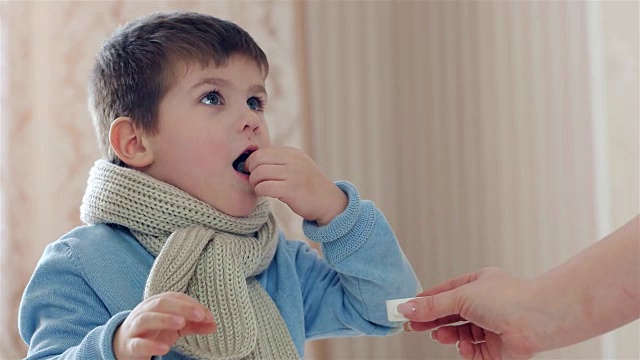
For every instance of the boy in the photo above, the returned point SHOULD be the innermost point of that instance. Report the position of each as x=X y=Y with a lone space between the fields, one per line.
x=181 y=255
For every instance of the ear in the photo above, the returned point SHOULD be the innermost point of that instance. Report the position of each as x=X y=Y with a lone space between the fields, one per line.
x=130 y=143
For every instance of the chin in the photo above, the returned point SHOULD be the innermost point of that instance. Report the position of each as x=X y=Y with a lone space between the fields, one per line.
x=239 y=213
x=243 y=211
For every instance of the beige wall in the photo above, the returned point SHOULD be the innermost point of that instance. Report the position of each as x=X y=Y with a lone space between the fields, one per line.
x=471 y=125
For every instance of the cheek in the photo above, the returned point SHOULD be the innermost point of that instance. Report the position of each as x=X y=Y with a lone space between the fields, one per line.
x=265 y=135
x=211 y=152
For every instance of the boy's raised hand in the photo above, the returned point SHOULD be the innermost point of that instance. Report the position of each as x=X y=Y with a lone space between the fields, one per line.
x=155 y=325
x=293 y=177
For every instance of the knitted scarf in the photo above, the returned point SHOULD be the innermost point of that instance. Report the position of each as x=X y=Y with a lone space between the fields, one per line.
x=202 y=252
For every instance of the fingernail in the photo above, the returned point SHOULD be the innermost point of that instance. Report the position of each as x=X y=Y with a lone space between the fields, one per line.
x=198 y=314
x=433 y=336
x=458 y=346
x=407 y=308
x=407 y=326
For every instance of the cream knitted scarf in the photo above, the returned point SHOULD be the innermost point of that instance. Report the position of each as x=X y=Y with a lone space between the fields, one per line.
x=207 y=254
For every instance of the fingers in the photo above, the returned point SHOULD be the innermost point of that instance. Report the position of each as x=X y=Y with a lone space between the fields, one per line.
x=273 y=155
x=198 y=328
x=468 y=350
x=180 y=304
x=271 y=172
x=145 y=348
x=267 y=172
x=447 y=320
x=275 y=189
x=453 y=334
x=471 y=351
x=477 y=333
x=431 y=308
x=151 y=321
x=156 y=323
x=470 y=340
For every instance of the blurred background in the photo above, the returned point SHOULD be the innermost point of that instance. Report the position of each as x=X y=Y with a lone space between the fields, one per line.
x=489 y=133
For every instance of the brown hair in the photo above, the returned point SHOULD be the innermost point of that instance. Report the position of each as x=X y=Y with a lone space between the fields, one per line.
x=135 y=67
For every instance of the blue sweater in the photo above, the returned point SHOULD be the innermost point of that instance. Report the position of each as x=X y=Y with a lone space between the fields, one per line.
x=88 y=281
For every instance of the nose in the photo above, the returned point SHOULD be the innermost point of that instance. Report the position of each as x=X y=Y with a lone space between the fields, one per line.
x=249 y=121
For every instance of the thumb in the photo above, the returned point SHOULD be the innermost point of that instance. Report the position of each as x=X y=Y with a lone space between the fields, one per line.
x=429 y=308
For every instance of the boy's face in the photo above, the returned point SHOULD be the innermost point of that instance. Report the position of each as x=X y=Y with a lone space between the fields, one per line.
x=207 y=120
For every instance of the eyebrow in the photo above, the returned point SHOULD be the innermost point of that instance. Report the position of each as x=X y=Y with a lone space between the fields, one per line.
x=257 y=88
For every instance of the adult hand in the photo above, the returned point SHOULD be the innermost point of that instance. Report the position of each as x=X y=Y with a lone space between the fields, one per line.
x=155 y=325
x=592 y=293
x=498 y=317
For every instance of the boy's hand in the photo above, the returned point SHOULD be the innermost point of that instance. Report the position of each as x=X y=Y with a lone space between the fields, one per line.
x=293 y=177
x=158 y=322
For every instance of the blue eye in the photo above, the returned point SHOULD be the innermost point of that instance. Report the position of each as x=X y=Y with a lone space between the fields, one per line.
x=255 y=104
x=212 y=98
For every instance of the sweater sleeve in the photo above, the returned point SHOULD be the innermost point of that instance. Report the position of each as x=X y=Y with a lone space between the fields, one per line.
x=364 y=266
x=65 y=322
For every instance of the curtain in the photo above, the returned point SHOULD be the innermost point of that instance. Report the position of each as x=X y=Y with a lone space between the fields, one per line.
x=47 y=140
x=471 y=125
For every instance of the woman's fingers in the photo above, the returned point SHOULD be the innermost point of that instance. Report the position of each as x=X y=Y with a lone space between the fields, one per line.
x=428 y=325
x=479 y=351
x=453 y=334
x=468 y=350
x=477 y=333
x=430 y=308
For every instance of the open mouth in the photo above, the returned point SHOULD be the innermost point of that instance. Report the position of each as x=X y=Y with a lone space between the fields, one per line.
x=238 y=164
